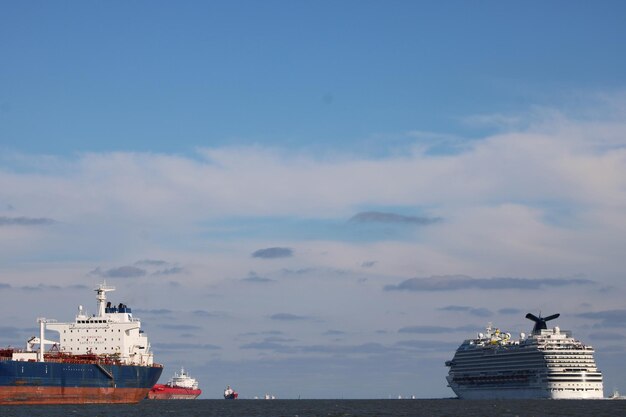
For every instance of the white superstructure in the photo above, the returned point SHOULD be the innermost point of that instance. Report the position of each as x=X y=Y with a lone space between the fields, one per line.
x=183 y=380
x=113 y=331
x=549 y=363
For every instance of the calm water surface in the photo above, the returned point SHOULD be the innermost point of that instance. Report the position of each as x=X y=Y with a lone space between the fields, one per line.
x=330 y=408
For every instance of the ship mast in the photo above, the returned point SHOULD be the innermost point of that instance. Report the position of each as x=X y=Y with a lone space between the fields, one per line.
x=102 y=297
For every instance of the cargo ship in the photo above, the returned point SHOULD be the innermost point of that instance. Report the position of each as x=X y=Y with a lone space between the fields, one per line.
x=98 y=358
x=548 y=363
x=180 y=387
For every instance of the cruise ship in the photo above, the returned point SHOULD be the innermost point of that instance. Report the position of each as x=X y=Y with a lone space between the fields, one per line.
x=548 y=363
x=98 y=358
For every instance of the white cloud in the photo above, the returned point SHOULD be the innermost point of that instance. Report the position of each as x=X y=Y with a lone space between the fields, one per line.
x=498 y=191
x=573 y=162
x=543 y=201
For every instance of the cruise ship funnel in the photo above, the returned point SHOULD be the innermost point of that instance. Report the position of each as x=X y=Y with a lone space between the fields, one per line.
x=540 y=322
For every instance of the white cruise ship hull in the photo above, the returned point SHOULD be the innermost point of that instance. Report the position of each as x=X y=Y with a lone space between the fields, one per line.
x=591 y=392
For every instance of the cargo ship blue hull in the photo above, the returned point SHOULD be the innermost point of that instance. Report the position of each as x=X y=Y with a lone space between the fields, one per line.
x=25 y=382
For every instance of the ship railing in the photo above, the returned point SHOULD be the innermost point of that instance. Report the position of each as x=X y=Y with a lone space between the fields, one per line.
x=64 y=357
x=8 y=352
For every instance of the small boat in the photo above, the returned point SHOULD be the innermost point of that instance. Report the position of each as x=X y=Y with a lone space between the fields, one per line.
x=230 y=394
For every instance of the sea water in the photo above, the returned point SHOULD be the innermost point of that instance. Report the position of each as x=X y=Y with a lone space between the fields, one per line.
x=330 y=408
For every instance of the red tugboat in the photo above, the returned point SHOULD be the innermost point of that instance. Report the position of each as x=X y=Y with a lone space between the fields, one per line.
x=230 y=394
x=180 y=387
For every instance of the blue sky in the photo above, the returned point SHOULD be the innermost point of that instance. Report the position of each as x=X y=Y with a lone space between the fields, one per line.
x=291 y=195
x=148 y=76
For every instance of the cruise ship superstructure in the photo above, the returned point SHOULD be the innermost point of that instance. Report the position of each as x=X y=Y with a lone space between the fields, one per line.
x=549 y=363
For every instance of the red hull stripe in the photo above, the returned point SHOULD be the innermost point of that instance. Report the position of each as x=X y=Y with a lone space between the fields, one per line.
x=161 y=396
x=70 y=395
x=164 y=392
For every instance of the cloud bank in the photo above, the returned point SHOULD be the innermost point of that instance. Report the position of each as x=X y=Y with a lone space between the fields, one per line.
x=474 y=311
x=427 y=329
x=288 y=317
x=606 y=318
x=455 y=283
x=120 y=272
x=273 y=253
x=381 y=217
x=254 y=278
x=25 y=221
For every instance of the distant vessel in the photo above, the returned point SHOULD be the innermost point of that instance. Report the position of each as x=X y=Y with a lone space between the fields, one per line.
x=103 y=358
x=616 y=396
x=549 y=363
x=230 y=394
x=180 y=387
